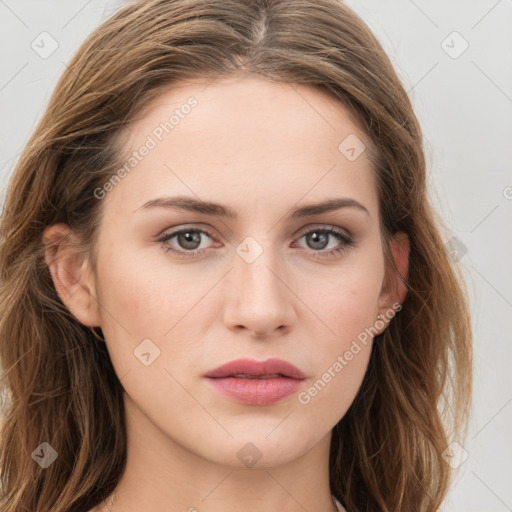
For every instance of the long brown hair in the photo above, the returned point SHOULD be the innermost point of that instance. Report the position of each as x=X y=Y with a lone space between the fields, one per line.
x=59 y=385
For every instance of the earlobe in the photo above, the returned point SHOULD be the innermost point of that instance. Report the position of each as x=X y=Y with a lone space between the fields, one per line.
x=70 y=270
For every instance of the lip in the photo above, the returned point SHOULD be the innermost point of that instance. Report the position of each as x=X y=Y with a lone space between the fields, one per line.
x=257 y=368
x=264 y=388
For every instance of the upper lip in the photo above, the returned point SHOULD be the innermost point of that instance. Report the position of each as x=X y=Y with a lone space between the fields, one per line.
x=257 y=368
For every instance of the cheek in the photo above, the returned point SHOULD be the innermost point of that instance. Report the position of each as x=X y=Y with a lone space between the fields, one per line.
x=345 y=300
x=147 y=299
x=346 y=305
x=330 y=394
x=342 y=352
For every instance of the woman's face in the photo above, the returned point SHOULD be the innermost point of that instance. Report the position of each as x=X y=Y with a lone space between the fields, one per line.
x=269 y=281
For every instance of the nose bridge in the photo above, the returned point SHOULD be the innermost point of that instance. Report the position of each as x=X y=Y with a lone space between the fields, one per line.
x=259 y=299
x=256 y=264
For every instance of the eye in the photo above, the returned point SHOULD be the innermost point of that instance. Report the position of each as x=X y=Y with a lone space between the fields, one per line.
x=189 y=241
x=318 y=239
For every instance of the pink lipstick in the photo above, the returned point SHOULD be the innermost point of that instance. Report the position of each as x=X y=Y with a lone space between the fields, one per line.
x=252 y=382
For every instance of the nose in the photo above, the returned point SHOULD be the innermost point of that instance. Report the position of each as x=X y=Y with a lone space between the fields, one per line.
x=259 y=296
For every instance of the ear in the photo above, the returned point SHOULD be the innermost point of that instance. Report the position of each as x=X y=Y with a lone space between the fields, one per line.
x=71 y=273
x=394 y=290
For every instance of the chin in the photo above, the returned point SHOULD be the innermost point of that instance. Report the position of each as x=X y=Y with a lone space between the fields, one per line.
x=257 y=452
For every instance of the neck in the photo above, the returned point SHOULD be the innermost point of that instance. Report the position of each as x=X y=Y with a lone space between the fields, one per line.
x=161 y=475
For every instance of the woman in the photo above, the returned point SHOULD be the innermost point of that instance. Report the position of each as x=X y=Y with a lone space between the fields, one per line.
x=223 y=286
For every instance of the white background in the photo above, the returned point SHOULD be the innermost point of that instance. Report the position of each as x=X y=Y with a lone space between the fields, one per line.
x=464 y=103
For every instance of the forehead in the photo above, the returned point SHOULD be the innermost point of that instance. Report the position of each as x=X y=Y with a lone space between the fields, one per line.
x=245 y=138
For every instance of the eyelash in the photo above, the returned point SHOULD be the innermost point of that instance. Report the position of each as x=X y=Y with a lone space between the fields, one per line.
x=347 y=242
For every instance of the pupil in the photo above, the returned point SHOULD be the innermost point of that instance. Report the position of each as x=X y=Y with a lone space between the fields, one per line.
x=319 y=236
x=189 y=237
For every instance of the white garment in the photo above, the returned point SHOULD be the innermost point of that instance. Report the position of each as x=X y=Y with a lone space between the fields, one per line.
x=338 y=504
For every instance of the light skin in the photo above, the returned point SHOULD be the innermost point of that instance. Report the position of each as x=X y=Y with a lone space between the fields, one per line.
x=263 y=149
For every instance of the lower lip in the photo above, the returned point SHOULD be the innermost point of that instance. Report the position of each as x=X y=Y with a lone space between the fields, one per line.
x=256 y=391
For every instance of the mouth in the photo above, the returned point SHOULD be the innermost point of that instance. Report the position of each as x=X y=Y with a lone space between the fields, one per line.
x=250 y=368
x=253 y=382
x=245 y=376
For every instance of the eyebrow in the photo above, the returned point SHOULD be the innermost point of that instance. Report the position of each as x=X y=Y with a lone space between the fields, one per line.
x=215 y=209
